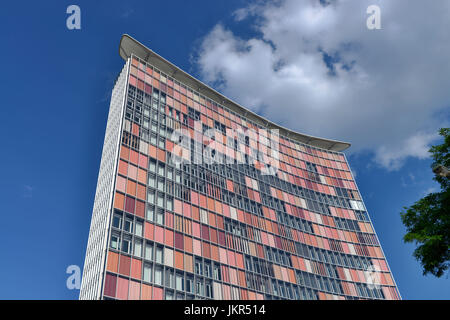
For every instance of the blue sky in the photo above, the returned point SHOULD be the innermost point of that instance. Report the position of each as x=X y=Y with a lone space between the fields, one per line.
x=55 y=96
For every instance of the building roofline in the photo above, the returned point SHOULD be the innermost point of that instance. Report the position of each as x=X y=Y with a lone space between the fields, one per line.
x=129 y=45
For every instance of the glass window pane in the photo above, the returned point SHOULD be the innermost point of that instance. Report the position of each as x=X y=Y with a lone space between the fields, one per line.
x=158 y=276
x=128 y=225
x=114 y=242
x=159 y=255
x=117 y=221
x=149 y=251
x=138 y=248
x=138 y=230
x=150 y=213
x=147 y=272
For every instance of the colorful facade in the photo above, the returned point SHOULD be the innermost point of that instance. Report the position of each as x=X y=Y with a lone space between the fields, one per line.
x=193 y=230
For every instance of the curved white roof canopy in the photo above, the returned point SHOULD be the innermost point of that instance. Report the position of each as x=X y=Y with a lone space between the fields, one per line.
x=129 y=45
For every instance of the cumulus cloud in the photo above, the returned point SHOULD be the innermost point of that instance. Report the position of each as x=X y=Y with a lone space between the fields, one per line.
x=415 y=146
x=381 y=90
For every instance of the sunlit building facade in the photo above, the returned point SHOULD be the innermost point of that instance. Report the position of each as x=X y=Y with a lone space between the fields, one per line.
x=167 y=227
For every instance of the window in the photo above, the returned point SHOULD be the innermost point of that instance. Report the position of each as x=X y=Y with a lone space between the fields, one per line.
x=190 y=284
x=114 y=242
x=159 y=254
x=199 y=289
x=154 y=126
x=161 y=143
x=144 y=135
x=153 y=139
x=170 y=278
x=160 y=216
x=152 y=166
x=150 y=213
x=147 y=272
x=198 y=266
x=161 y=200
x=162 y=133
x=169 y=204
x=161 y=169
x=290 y=294
x=217 y=272
x=138 y=229
x=169 y=295
x=126 y=245
x=207 y=269
x=128 y=225
x=151 y=180
x=275 y=288
x=138 y=248
x=151 y=197
x=179 y=282
x=208 y=289
x=158 y=276
x=149 y=251
x=161 y=184
x=117 y=221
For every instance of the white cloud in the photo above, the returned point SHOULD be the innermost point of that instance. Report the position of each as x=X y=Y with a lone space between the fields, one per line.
x=414 y=146
x=381 y=92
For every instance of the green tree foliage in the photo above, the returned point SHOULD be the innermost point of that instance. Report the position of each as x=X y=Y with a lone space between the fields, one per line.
x=428 y=220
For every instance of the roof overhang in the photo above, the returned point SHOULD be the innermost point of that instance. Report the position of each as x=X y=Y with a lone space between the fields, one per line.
x=129 y=45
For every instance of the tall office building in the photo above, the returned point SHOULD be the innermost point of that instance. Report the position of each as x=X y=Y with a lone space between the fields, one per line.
x=200 y=198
